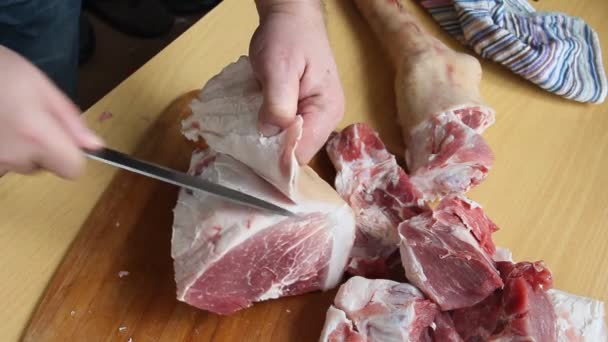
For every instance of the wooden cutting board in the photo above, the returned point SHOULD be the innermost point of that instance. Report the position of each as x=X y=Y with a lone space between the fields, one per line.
x=92 y=298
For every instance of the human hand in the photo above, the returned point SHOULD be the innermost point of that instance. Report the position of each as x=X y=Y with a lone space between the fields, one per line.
x=292 y=60
x=39 y=126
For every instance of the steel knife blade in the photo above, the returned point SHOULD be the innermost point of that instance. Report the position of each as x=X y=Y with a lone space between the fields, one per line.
x=184 y=180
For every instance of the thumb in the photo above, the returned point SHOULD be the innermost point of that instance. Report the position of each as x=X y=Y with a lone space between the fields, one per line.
x=280 y=104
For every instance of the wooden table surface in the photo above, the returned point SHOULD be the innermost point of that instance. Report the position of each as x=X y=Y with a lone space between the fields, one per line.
x=548 y=190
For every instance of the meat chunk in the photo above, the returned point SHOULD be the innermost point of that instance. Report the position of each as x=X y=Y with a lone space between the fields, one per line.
x=522 y=311
x=459 y=209
x=579 y=318
x=380 y=193
x=445 y=156
x=444 y=329
x=227 y=256
x=443 y=259
x=438 y=102
x=379 y=310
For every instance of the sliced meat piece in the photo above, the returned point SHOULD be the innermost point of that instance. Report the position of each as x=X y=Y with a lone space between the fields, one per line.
x=579 y=319
x=459 y=209
x=438 y=102
x=444 y=261
x=522 y=311
x=382 y=310
x=444 y=329
x=225 y=115
x=227 y=256
x=446 y=156
x=380 y=193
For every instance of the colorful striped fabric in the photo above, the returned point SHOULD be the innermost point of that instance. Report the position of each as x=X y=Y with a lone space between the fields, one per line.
x=559 y=53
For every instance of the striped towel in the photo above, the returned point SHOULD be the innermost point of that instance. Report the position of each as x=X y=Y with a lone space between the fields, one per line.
x=559 y=53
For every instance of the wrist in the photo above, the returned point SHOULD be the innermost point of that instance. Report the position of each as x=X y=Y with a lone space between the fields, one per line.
x=293 y=7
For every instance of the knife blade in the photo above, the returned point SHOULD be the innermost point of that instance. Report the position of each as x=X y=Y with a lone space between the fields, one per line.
x=184 y=180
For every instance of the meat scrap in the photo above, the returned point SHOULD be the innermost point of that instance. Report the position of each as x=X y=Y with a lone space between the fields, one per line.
x=228 y=256
x=438 y=102
x=105 y=115
x=380 y=193
x=521 y=311
x=378 y=310
x=442 y=257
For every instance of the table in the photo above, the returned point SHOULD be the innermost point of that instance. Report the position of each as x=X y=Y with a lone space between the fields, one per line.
x=547 y=190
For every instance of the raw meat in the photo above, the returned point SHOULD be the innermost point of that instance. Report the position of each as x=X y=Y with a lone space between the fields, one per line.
x=438 y=101
x=338 y=328
x=227 y=256
x=522 y=311
x=444 y=329
x=379 y=310
x=443 y=259
x=579 y=319
x=225 y=116
x=380 y=193
x=459 y=209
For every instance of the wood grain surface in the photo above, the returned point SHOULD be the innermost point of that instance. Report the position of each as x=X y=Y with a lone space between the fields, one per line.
x=548 y=190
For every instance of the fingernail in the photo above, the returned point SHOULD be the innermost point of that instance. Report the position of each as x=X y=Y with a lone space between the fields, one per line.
x=94 y=140
x=269 y=130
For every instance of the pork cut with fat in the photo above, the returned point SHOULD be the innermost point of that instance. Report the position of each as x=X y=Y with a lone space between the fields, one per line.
x=380 y=193
x=438 y=101
x=444 y=260
x=378 y=310
x=227 y=256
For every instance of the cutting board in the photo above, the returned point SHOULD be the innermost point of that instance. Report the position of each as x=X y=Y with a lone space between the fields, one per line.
x=92 y=297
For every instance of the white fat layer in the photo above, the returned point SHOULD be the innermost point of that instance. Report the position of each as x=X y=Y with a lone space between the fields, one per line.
x=413 y=268
x=333 y=319
x=503 y=254
x=226 y=114
x=393 y=303
x=579 y=318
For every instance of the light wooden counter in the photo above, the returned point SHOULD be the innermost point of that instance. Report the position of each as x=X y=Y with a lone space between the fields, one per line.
x=548 y=190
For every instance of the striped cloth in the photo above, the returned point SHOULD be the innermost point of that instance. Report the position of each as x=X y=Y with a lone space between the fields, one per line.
x=559 y=53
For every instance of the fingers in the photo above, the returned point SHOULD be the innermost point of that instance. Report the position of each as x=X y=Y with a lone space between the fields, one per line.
x=52 y=148
x=68 y=116
x=321 y=116
x=280 y=81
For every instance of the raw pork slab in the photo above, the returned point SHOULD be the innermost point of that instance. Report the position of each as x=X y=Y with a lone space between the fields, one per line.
x=380 y=193
x=444 y=260
x=378 y=310
x=439 y=105
x=227 y=256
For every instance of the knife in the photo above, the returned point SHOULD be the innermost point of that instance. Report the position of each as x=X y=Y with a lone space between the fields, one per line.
x=181 y=179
